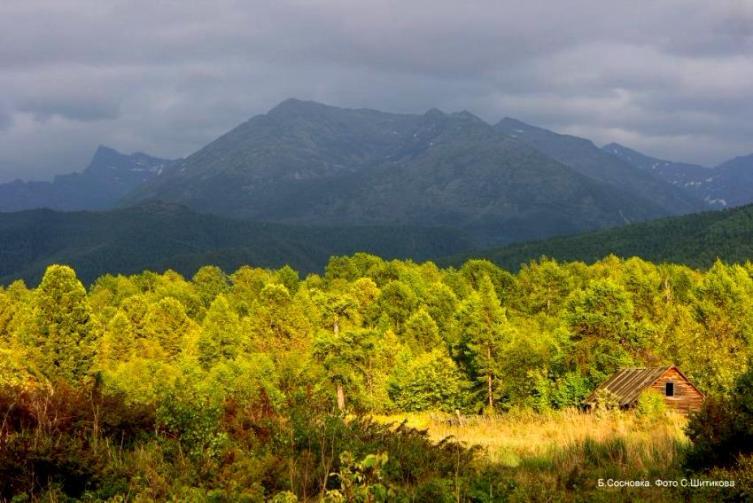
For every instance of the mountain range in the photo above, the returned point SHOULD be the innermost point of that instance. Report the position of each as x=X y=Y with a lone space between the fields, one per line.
x=108 y=178
x=729 y=184
x=306 y=180
x=308 y=163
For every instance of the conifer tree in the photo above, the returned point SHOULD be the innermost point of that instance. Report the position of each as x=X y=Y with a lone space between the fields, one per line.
x=483 y=331
x=119 y=339
x=397 y=301
x=220 y=337
x=344 y=355
x=61 y=327
x=422 y=333
x=167 y=324
x=209 y=282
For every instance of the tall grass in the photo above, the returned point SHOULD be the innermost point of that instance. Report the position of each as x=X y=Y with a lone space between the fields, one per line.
x=566 y=451
x=532 y=435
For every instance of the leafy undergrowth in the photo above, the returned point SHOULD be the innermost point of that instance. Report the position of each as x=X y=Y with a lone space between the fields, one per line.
x=78 y=444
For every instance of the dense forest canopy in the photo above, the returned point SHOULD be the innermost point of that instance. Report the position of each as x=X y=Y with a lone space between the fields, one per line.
x=367 y=336
x=697 y=240
x=380 y=331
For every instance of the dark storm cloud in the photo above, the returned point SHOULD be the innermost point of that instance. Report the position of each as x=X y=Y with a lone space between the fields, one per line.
x=671 y=77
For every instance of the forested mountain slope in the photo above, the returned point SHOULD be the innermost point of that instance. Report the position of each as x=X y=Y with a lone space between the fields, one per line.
x=697 y=240
x=159 y=236
x=589 y=160
x=304 y=162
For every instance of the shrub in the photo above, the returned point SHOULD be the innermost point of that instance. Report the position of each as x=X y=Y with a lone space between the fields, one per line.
x=722 y=430
x=651 y=406
x=195 y=422
x=570 y=390
x=605 y=400
x=58 y=437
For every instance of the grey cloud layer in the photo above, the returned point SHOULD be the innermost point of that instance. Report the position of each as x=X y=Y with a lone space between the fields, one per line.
x=669 y=76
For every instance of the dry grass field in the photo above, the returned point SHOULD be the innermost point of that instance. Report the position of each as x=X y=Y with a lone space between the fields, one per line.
x=563 y=454
x=509 y=439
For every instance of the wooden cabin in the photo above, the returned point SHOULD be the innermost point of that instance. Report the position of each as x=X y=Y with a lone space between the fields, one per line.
x=626 y=385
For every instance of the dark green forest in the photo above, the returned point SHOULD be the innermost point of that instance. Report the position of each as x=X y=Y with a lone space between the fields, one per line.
x=160 y=236
x=264 y=385
x=697 y=240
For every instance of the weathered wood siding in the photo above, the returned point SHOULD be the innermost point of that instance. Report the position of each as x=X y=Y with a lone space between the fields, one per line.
x=686 y=398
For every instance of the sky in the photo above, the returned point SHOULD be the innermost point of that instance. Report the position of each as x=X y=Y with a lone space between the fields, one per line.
x=672 y=78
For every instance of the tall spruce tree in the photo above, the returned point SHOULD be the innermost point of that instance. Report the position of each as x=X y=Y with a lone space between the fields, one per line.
x=221 y=337
x=62 y=330
x=483 y=331
x=344 y=355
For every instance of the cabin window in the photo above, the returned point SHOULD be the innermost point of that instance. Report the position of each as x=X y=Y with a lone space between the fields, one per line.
x=669 y=389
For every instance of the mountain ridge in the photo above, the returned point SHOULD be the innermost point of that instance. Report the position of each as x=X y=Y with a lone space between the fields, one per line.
x=308 y=163
x=721 y=186
x=109 y=176
x=586 y=158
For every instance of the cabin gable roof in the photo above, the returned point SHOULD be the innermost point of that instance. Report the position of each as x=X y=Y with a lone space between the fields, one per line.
x=628 y=383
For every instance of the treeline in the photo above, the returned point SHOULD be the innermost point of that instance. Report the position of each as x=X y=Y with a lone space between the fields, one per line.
x=386 y=335
x=256 y=364
x=697 y=240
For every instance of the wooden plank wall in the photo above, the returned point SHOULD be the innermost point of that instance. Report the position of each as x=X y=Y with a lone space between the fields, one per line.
x=686 y=399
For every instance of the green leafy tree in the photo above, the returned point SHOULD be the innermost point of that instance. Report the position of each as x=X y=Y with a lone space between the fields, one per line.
x=340 y=268
x=171 y=284
x=7 y=310
x=119 y=340
x=288 y=277
x=431 y=381
x=475 y=270
x=441 y=302
x=209 y=282
x=136 y=308
x=422 y=333
x=602 y=328
x=338 y=310
x=725 y=310
x=247 y=284
x=397 y=301
x=544 y=286
x=365 y=293
x=278 y=322
x=722 y=431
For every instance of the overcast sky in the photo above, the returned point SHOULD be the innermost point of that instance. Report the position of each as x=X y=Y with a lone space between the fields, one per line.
x=673 y=78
